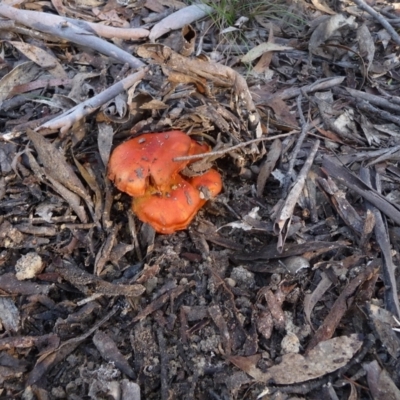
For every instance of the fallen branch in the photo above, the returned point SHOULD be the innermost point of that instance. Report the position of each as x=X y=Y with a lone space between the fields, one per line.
x=180 y=18
x=372 y=178
x=299 y=142
x=222 y=152
x=111 y=32
x=63 y=28
x=66 y=120
x=382 y=102
x=384 y=22
x=379 y=113
x=261 y=96
x=346 y=178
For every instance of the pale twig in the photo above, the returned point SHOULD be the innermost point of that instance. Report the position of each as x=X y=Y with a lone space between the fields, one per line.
x=229 y=149
x=111 y=32
x=65 y=121
x=180 y=18
x=384 y=22
x=62 y=28
x=321 y=84
x=284 y=217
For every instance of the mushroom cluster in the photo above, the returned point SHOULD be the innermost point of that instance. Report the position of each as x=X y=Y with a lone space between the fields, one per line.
x=144 y=168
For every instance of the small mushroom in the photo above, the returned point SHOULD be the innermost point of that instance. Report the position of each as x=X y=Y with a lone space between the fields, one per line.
x=144 y=168
x=174 y=210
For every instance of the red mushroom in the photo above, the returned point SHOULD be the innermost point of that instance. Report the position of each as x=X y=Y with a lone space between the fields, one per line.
x=143 y=167
x=174 y=210
x=148 y=159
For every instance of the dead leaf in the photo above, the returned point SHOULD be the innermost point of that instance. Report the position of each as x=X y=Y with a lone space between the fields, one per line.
x=179 y=19
x=110 y=352
x=21 y=74
x=384 y=322
x=88 y=283
x=41 y=57
x=262 y=48
x=366 y=44
x=326 y=29
x=54 y=356
x=340 y=307
x=57 y=167
x=380 y=383
x=325 y=358
x=321 y=6
x=311 y=299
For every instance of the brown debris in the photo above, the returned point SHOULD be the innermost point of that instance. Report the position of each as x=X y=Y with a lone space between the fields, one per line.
x=283 y=285
x=342 y=304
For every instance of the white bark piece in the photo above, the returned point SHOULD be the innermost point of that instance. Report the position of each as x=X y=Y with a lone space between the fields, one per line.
x=179 y=19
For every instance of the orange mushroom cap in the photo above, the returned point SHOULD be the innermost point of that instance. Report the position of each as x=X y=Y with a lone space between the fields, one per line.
x=144 y=168
x=148 y=159
x=209 y=184
x=174 y=210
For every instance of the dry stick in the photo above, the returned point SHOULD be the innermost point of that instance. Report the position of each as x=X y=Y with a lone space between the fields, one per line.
x=65 y=121
x=61 y=27
x=387 y=103
x=163 y=364
x=384 y=22
x=383 y=240
x=284 y=217
x=229 y=149
x=111 y=31
x=321 y=84
x=299 y=143
x=382 y=114
x=178 y=19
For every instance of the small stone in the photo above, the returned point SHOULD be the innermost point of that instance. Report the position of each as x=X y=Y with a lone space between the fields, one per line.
x=295 y=264
x=58 y=393
x=183 y=281
x=231 y=282
x=243 y=277
x=290 y=343
x=28 y=266
x=151 y=284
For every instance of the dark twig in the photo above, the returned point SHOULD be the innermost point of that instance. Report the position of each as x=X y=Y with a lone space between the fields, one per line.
x=66 y=120
x=384 y=22
x=229 y=149
x=163 y=364
x=365 y=106
x=304 y=129
x=380 y=101
x=62 y=28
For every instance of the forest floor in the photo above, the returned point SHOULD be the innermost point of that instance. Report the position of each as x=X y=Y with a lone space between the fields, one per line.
x=284 y=286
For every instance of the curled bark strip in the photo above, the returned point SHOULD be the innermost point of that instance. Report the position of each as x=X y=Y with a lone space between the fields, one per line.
x=63 y=28
x=110 y=32
x=65 y=121
x=179 y=19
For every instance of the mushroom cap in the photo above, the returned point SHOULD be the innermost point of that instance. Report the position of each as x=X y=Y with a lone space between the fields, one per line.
x=209 y=184
x=174 y=210
x=148 y=160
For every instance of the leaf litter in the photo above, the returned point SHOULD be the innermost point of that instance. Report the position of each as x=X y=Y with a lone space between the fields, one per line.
x=285 y=284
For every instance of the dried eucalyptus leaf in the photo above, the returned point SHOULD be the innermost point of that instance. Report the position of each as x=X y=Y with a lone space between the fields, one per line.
x=326 y=357
x=56 y=166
